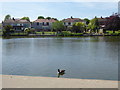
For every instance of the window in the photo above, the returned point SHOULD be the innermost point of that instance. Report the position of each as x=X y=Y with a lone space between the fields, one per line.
x=47 y=23
x=69 y=23
x=18 y=24
x=37 y=23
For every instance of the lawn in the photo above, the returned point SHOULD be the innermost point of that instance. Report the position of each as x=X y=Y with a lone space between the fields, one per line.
x=0 y=31
x=111 y=32
x=46 y=33
x=21 y=33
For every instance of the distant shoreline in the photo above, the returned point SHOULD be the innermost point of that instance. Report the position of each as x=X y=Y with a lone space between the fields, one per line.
x=34 y=36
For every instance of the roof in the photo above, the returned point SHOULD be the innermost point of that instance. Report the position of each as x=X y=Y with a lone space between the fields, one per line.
x=73 y=20
x=45 y=20
x=101 y=19
x=15 y=21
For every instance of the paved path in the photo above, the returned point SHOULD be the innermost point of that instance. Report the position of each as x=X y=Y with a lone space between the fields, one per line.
x=11 y=81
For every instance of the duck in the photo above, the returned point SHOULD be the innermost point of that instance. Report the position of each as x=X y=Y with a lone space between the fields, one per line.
x=60 y=72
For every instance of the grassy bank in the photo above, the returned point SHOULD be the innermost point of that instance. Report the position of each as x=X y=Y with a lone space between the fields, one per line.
x=63 y=34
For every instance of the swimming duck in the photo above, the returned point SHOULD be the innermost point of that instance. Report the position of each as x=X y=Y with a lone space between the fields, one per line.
x=60 y=72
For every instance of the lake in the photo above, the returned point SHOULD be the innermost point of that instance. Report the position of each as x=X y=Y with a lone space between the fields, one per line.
x=82 y=57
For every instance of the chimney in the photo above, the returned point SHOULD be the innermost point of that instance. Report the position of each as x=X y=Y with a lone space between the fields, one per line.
x=13 y=18
x=71 y=17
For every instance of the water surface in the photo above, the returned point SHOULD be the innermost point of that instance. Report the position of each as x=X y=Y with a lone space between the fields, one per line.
x=83 y=57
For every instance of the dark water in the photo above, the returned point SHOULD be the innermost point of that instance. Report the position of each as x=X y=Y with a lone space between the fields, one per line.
x=84 y=57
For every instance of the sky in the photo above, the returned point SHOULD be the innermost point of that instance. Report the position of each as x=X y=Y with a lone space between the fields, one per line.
x=60 y=10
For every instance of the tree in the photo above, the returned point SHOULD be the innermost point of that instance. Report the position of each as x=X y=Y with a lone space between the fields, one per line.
x=48 y=17
x=25 y=18
x=7 y=30
x=94 y=25
x=7 y=17
x=41 y=17
x=27 y=30
x=113 y=23
x=58 y=26
x=78 y=27
x=55 y=19
x=86 y=21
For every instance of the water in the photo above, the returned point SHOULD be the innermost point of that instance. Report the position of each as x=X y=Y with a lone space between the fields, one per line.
x=84 y=57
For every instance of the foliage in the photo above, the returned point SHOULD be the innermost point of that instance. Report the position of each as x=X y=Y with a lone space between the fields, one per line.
x=87 y=21
x=58 y=26
x=78 y=27
x=93 y=25
x=41 y=17
x=25 y=18
x=7 y=30
x=55 y=19
x=48 y=18
x=29 y=30
x=113 y=23
x=7 y=17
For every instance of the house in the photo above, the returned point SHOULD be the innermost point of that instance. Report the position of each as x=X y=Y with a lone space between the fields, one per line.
x=17 y=24
x=103 y=21
x=70 y=21
x=43 y=24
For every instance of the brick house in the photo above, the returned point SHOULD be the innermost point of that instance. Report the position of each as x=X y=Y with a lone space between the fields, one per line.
x=43 y=24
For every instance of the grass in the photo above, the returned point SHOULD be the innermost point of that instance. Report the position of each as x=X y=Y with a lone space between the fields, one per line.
x=63 y=33
x=1 y=32
x=46 y=33
x=68 y=33
x=21 y=33
x=111 y=32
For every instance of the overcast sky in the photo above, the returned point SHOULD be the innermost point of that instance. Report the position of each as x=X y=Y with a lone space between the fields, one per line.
x=58 y=10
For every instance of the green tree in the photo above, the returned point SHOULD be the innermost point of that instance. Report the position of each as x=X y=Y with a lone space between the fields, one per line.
x=78 y=27
x=27 y=30
x=86 y=21
x=41 y=17
x=7 y=17
x=58 y=26
x=55 y=19
x=25 y=18
x=94 y=25
x=7 y=30
x=48 y=17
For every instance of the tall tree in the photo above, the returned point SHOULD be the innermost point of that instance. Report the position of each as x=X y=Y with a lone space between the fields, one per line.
x=58 y=26
x=7 y=17
x=25 y=18
x=41 y=17
x=113 y=23
x=78 y=27
x=94 y=25
x=86 y=21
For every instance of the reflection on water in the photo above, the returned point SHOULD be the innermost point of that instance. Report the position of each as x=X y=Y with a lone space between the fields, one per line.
x=84 y=57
